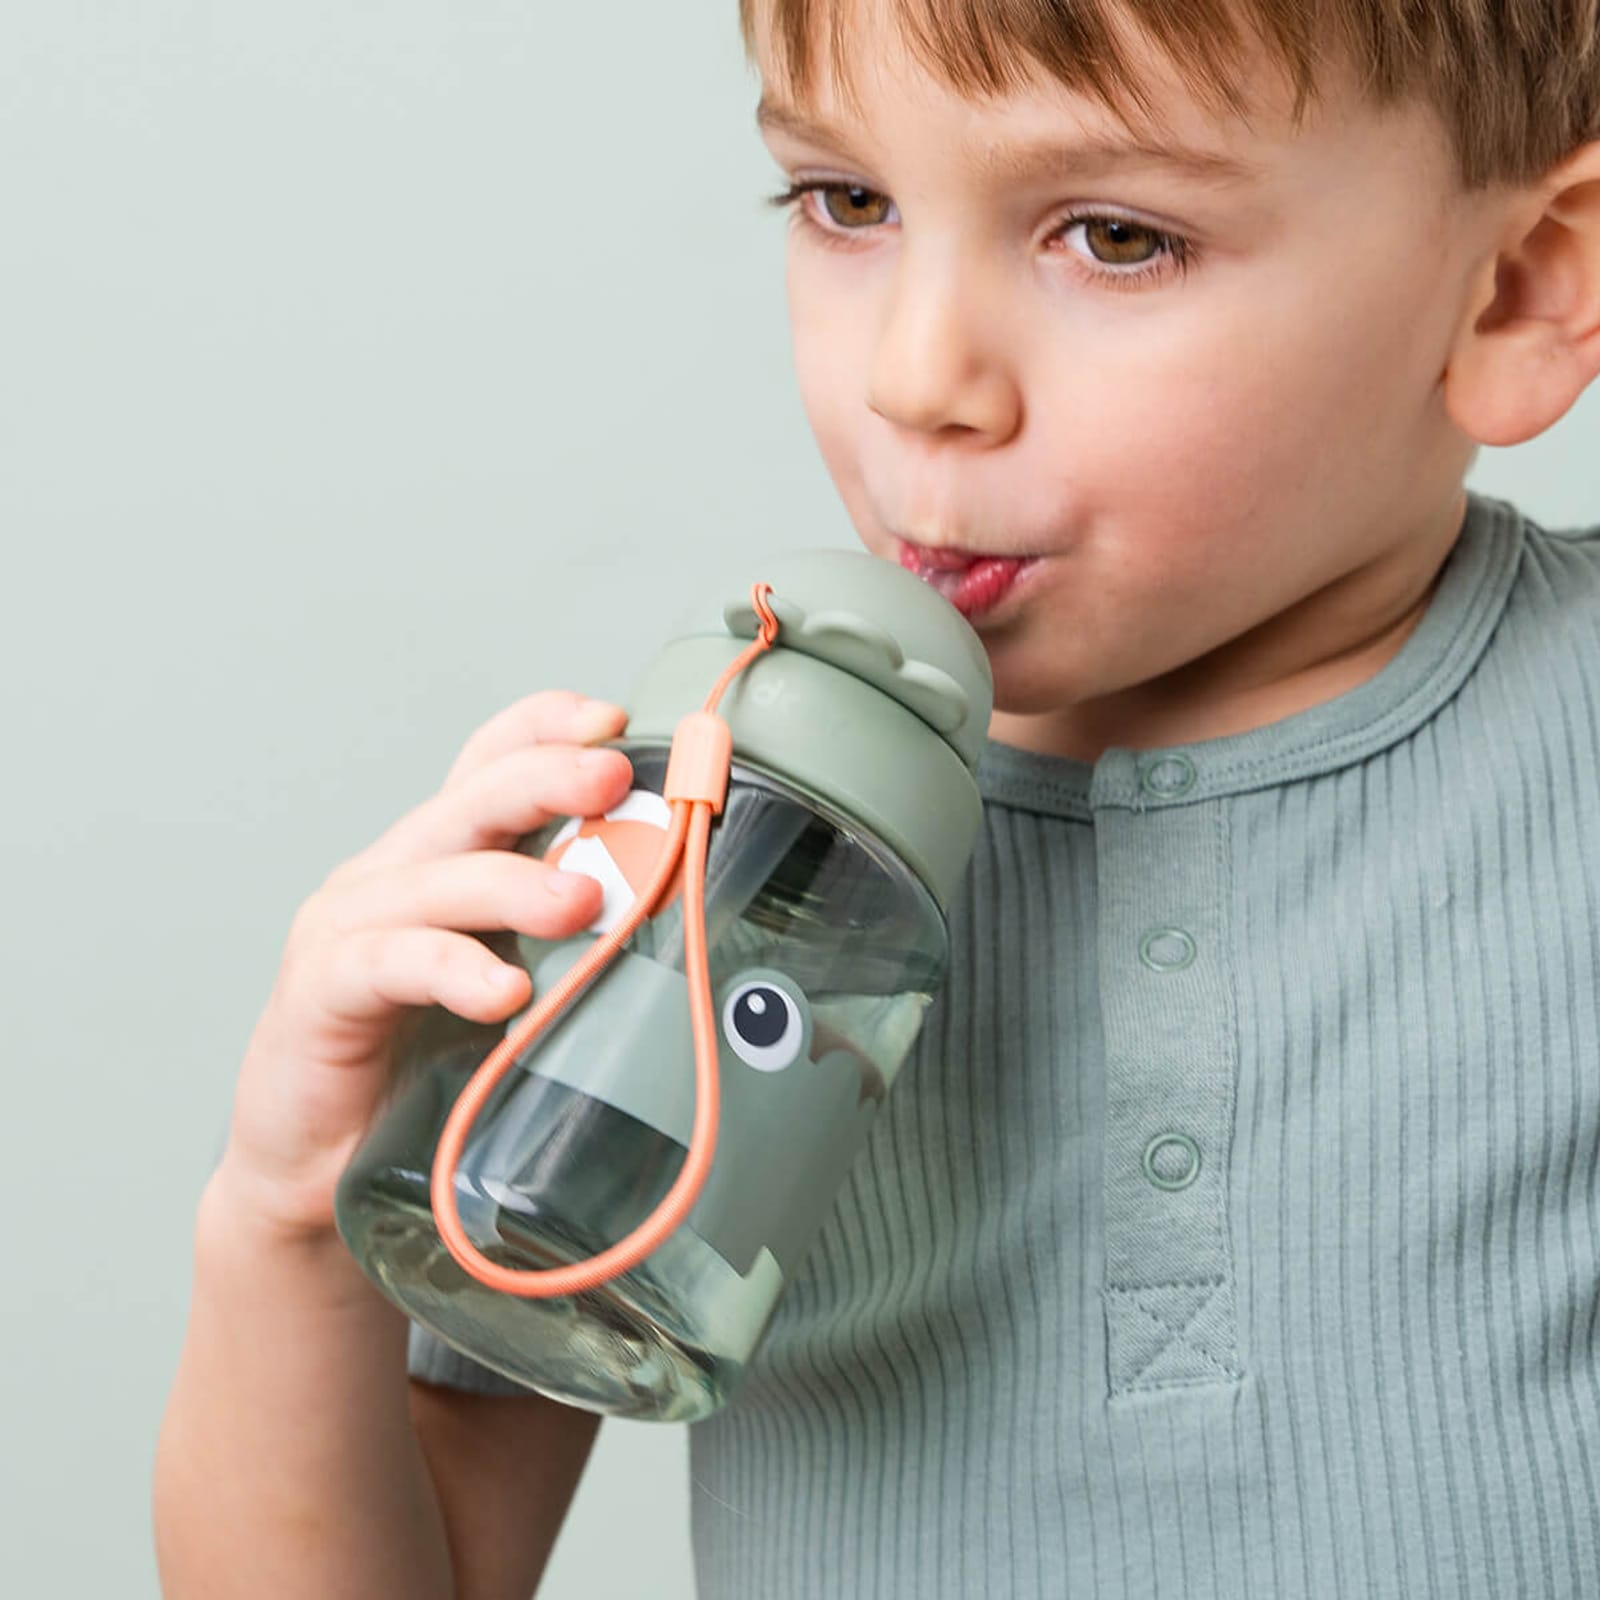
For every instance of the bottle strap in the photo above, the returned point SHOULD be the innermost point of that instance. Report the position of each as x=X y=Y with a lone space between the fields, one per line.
x=696 y=788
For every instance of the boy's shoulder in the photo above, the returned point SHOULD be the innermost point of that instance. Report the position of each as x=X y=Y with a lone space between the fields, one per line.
x=1560 y=566
x=1512 y=637
x=1579 y=537
x=1551 y=618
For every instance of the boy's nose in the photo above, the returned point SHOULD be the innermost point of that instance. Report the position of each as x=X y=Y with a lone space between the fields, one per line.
x=934 y=369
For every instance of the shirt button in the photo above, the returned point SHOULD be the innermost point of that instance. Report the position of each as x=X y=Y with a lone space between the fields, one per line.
x=1172 y=1161
x=1167 y=950
x=1168 y=777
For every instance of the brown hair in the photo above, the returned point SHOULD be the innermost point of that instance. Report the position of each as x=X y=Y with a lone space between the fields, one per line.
x=1515 y=82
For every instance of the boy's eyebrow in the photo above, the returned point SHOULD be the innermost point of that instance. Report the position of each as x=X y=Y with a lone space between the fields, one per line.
x=1045 y=158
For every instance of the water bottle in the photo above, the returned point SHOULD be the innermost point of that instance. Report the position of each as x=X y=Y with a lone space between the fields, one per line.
x=604 y=1197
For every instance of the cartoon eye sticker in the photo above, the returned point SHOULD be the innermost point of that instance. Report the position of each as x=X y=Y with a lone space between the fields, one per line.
x=766 y=1020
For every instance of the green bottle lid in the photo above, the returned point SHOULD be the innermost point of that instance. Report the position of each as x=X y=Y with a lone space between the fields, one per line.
x=875 y=699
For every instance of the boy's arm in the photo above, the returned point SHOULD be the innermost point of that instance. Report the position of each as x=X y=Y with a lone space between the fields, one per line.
x=296 y=1458
x=504 y=1468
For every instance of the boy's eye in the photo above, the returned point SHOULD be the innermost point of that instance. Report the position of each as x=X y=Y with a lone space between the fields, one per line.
x=1120 y=253
x=853 y=207
x=1116 y=243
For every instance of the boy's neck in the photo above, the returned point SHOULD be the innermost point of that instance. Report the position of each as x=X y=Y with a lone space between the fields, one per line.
x=1328 y=644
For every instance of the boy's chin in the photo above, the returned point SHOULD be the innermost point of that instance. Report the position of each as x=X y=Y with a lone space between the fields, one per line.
x=1024 y=695
x=1030 y=677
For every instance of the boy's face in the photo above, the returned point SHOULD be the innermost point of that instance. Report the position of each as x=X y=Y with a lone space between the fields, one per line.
x=1231 y=477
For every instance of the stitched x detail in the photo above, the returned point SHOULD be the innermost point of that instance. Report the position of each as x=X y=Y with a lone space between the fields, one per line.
x=1174 y=1309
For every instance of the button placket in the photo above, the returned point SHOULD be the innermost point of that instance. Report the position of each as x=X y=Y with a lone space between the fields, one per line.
x=1170 y=1056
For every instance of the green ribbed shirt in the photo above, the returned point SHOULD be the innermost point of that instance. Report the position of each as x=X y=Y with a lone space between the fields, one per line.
x=1233 y=1230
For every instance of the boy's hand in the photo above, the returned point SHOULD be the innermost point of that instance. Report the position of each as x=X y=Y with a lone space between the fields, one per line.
x=386 y=933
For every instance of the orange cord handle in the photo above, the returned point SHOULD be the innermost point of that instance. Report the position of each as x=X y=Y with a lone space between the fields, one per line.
x=696 y=788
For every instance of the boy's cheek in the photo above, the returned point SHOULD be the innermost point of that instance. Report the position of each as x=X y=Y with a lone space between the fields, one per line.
x=1176 y=466
x=833 y=396
x=844 y=470
x=832 y=357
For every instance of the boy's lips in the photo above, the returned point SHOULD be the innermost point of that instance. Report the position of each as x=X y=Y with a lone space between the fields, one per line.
x=972 y=582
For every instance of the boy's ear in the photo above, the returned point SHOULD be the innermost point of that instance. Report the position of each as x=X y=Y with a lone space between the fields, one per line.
x=1529 y=344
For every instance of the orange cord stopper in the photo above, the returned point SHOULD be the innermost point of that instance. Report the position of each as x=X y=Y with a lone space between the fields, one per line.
x=696 y=788
x=702 y=753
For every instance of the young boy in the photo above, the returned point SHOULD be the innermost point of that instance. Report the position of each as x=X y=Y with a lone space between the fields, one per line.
x=1236 y=1231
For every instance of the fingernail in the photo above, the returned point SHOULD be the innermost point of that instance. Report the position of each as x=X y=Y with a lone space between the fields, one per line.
x=570 y=885
x=598 y=760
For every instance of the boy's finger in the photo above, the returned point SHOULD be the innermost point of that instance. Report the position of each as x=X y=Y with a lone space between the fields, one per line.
x=550 y=716
x=496 y=805
x=367 y=979
x=477 y=891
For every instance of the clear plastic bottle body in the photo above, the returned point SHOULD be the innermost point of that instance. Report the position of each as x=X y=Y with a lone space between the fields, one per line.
x=824 y=950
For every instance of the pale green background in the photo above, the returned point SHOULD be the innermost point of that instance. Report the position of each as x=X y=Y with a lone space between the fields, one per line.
x=364 y=367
